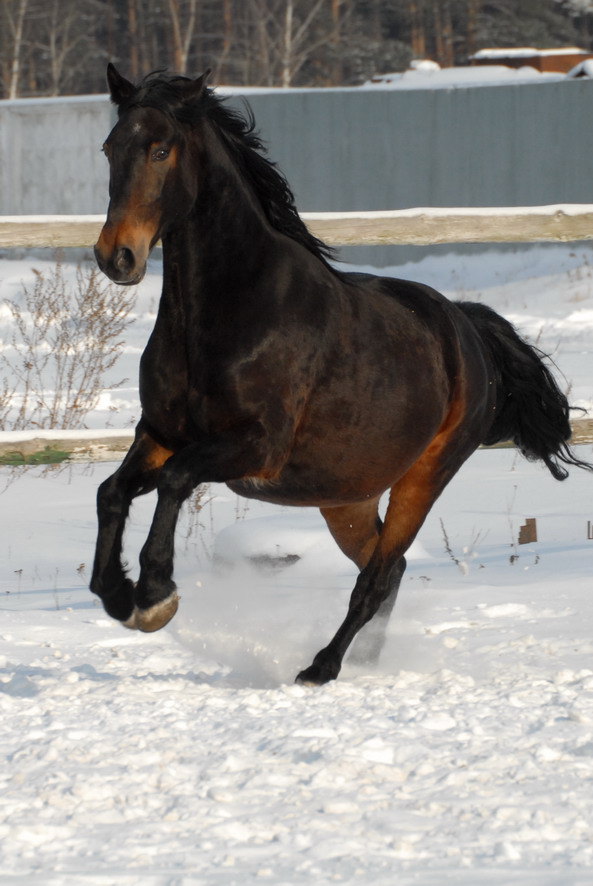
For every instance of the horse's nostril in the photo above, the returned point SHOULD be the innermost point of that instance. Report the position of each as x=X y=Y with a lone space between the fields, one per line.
x=124 y=259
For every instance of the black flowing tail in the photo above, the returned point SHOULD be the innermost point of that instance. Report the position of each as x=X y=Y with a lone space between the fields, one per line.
x=531 y=410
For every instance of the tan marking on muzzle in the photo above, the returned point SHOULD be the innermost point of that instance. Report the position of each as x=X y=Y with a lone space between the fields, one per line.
x=133 y=235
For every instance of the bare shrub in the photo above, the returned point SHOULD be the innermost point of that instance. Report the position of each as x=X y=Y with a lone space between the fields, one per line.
x=65 y=338
x=7 y=391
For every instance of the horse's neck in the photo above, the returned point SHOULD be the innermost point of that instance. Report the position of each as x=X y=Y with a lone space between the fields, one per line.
x=224 y=242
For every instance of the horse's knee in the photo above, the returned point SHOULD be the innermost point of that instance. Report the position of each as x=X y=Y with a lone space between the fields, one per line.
x=109 y=497
x=176 y=481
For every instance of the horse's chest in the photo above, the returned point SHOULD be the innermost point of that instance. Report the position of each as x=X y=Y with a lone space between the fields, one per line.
x=182 y=392
x=164 y=384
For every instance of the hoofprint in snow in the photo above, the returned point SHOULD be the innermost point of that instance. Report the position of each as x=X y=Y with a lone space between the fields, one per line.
x=188 y=756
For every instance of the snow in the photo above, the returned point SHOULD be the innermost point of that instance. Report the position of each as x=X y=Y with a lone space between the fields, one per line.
x=448 y=78
x=42 y=434
x=429 y=211
x=526 y=52
x=52 y=219
x=470 y=212
x=583 y=69
x=190 y=757
x=54 y=100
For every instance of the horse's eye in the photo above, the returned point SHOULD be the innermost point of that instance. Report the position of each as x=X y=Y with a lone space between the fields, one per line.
x=160 y=154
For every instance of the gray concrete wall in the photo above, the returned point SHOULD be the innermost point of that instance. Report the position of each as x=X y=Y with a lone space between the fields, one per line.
x=50 y=157
x=517 y=145
x=341 y=149
x=508 y=145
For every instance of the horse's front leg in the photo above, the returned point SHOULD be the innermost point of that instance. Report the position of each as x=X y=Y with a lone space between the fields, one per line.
x=136 y=475
x=238 y=453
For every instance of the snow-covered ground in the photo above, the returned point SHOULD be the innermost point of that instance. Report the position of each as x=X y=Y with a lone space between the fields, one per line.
x=190 y=757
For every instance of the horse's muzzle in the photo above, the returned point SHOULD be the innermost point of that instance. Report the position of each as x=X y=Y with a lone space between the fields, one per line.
x=120 y=265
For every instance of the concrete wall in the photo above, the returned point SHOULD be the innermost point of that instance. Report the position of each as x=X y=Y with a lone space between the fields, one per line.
x=50 y=157
x=515 y=145
x=341 y=149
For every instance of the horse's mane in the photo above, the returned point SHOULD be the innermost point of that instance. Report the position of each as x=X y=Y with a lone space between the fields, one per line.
x=168 y=93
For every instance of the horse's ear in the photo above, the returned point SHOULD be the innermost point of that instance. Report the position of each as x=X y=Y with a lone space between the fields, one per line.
x=197 y=86
x=121 y=89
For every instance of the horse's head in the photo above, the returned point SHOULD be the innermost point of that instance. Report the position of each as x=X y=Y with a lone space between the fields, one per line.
x=148 y=189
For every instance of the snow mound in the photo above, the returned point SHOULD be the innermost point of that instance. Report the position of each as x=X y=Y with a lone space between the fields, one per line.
x=284 y=540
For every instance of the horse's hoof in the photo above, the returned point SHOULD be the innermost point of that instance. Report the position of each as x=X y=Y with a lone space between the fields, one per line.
x=155 y=617
x=131 y=621
x=317 y=675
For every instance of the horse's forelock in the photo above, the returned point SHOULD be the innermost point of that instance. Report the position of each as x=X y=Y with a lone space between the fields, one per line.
x=170 y=93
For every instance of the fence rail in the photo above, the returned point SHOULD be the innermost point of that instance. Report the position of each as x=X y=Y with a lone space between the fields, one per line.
x=555 y=223
x=18 y=448
x=420 y=227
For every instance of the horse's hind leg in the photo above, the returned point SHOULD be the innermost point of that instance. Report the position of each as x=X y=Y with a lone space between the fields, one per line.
x=411 y=499
x=136 y=475
x=355 y=529
x=369 y=642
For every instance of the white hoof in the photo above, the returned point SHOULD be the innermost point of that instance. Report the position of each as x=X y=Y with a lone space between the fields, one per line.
x=155 y=617
x=131 y=621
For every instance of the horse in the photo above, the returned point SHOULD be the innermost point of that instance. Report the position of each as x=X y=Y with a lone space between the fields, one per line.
x=273 y=371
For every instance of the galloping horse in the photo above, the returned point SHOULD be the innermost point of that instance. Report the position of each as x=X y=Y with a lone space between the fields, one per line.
x=271 y=371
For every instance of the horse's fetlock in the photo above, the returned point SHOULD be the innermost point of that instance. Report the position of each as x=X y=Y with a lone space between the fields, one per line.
x=325 y=667
x=152 y=590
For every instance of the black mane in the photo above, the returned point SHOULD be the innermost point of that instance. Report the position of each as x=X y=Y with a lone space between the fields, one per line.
x=169 y=93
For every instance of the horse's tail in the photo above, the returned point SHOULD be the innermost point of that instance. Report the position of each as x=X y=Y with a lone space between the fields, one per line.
x=531 y=410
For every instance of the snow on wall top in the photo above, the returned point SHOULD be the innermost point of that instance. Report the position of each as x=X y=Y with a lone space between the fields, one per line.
x=526 y=52
x=448 y=78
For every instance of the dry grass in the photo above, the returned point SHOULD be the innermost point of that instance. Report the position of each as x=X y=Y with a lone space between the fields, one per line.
x=65 y=338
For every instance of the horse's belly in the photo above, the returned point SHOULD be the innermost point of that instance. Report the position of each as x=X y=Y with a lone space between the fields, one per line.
x=322 y=481
x=366 y=450
x=282 y=492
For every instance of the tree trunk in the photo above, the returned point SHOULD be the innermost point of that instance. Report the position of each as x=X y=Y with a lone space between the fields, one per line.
x=182 y=33
x=111 y=42
x=227 y=38
x=471 y=34
x=337 y=70
x=133 y=29
x=16 y=54
x=448 y=54
x=287 y=44
x=417 y=30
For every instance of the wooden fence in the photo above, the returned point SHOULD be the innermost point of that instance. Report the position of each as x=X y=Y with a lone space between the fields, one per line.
x=557 y=223
x=419 y=227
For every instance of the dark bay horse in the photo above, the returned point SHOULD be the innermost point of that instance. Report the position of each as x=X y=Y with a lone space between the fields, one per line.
x=277 y=374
